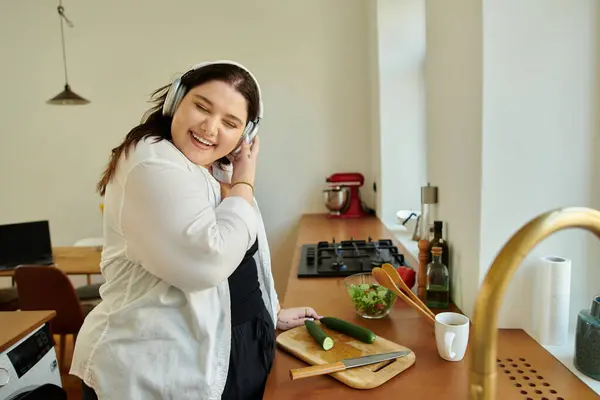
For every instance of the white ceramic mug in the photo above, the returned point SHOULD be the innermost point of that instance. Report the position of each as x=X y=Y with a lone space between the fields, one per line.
x=451 y=335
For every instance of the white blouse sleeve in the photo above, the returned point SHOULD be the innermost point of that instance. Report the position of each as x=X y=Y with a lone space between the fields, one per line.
x=172 y=228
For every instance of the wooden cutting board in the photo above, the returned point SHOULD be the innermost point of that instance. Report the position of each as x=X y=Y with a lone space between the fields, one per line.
x=298 y=342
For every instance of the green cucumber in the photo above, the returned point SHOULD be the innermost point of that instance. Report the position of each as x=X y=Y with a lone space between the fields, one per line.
x=357 y=332
x=319 y=335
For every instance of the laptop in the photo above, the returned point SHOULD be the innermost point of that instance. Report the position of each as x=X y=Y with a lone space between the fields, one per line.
x=25 y=243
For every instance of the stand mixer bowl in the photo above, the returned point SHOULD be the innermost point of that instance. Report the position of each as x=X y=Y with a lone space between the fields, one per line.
x=336 y=199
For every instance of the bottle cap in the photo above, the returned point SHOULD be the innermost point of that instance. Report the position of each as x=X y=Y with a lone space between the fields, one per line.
x=438 y=225
x=436 y=251
x=429 y=194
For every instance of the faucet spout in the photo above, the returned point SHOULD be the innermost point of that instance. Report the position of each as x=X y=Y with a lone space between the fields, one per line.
x=482 y=378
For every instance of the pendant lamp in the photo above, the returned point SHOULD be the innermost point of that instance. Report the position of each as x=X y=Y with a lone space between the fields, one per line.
x=67 y=96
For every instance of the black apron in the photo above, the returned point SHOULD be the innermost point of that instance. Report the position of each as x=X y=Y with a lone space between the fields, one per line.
x=252 y=334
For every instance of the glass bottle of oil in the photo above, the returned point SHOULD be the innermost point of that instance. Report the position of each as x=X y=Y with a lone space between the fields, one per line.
x=439 y=241
x=438 y=281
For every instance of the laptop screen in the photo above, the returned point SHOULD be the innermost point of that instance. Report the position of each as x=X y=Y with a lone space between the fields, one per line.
x=25 y=243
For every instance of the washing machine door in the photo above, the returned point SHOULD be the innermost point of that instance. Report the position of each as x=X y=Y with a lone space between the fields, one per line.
x=43 y=392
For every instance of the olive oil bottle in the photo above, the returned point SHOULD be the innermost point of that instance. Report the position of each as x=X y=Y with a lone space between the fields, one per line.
x=438 y=281
x=439 y=241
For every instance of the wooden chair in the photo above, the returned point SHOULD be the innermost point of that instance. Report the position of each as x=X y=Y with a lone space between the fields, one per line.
x=49 y=288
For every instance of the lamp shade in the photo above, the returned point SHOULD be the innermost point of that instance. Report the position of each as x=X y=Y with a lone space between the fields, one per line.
x=67 y=97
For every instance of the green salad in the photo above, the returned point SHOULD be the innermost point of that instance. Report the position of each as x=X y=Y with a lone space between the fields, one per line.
x=371 y=299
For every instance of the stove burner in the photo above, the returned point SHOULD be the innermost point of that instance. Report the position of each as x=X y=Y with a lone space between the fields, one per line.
x=347 y=257
x=377 y=262
x=338 y=264
x=378 y=259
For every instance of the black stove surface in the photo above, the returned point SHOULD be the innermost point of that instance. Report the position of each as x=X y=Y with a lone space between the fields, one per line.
x=347 y=257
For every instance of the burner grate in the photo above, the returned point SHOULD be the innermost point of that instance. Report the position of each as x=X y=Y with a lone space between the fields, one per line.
x=347 y=257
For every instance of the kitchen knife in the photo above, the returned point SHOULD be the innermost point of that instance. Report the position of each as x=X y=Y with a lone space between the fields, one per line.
x=347 y=363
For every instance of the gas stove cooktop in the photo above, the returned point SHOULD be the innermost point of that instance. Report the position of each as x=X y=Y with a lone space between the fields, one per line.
x=347 y=257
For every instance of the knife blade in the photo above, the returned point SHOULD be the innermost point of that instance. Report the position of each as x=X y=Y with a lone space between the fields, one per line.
x=347 y=363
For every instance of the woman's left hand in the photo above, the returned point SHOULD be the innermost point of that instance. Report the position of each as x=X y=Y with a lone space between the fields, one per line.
x=292 y=317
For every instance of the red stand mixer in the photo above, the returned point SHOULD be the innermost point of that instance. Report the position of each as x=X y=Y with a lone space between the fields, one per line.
x=342 y=197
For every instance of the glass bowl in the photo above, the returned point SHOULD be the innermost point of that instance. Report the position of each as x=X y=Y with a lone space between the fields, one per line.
x=369 y=298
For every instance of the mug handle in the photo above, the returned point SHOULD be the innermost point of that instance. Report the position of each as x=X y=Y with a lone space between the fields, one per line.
x=448 y=341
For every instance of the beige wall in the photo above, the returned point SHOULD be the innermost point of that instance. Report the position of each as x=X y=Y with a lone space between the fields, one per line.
x=310 y=57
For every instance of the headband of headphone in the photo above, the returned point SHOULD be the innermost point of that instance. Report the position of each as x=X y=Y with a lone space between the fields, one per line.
x=177 y=91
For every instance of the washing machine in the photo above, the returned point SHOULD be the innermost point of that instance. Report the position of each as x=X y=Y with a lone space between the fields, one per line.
x=30 y=366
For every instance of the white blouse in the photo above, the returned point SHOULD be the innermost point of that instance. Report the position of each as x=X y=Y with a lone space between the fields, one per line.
x=163 y=328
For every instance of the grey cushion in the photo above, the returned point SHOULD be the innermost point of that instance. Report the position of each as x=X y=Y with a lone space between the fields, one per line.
x=8 y=294
x=89 y=305
x=9 y=299
x=89 y=292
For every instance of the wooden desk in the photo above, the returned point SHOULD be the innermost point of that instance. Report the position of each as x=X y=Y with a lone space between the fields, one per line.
x=14 y=325
x=430 y=377
x=73 y=261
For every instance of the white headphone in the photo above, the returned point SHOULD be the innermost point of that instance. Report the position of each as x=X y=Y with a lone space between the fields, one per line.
x=177 y=91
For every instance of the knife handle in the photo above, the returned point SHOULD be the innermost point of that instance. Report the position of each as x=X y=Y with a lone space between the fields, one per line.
x=315 y=370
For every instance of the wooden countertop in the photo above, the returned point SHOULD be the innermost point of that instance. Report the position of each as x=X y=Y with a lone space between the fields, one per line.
x=14 y=325
x=430 y=377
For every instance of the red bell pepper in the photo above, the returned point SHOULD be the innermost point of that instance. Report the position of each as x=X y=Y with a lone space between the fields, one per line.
x=408 y=275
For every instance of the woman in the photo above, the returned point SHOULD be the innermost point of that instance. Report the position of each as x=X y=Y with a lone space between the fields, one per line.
x=189 y=308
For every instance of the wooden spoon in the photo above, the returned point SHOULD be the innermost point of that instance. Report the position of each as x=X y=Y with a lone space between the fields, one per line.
x=386 y=281
x=397 y=279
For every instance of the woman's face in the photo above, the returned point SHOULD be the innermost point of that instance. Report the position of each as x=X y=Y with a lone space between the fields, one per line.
x=209 y=122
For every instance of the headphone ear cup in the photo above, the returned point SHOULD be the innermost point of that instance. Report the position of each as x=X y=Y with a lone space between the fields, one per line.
x=173 y=98
x=248 y=129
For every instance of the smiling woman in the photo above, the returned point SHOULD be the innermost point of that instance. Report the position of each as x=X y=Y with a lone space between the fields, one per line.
x=189 y=307
x=223 y=98
x=209 y=122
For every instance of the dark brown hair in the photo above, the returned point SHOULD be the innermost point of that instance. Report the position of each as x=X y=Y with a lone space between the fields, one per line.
x=158 y=126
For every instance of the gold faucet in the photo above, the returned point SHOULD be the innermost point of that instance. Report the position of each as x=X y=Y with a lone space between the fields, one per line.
x=487 y=305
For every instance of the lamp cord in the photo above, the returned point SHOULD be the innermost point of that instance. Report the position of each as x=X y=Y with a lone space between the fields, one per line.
x=62 y=16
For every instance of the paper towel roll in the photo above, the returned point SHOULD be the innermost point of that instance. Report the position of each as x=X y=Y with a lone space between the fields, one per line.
x=552 y=300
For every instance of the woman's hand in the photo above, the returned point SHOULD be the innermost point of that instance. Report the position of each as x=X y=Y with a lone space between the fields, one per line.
x=244 y=167
x=292 y=317
x=244 y=164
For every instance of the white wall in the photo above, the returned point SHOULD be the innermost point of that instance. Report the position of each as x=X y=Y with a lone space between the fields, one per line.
x=512 y=115
x=539 y=109
x=593 y=271
x=400 y=105
x=454 y=104
x=311 y=58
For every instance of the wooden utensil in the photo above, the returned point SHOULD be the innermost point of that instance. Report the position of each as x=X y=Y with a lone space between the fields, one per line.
x=347 y=363
x=397 y=279
x=386 y=281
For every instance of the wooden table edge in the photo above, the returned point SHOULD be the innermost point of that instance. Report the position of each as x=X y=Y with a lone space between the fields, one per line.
x=43 y=317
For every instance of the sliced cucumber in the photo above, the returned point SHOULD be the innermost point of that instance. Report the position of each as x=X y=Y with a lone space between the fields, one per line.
x=345 y=327
x=319 y=335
